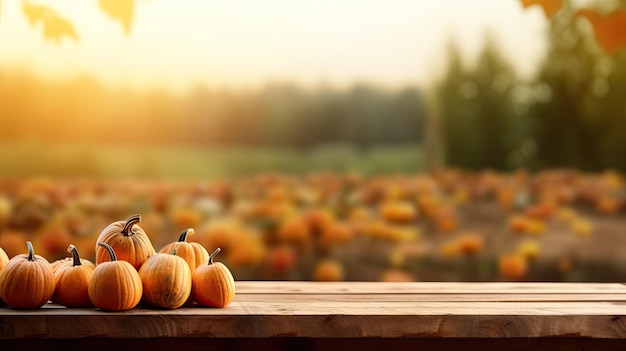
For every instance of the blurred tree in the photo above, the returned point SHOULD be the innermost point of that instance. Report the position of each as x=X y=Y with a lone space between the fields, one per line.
x=459 y=141
x=493 y=80
x=476 y=108
x=564 y=116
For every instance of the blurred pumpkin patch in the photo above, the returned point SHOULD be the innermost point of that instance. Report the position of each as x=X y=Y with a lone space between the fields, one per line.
x=339 y=239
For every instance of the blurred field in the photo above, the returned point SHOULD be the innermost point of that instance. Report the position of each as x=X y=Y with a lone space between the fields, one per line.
x=27 y=158
x=449 y=225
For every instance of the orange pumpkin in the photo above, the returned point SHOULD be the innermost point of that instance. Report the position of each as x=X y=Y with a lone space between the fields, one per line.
x=213 y=284
x=186 y=217
x=4 y=259
x=27 y=280
x=295 y=230
x=336 y=234
x=193 y=253
x=128 y=240
x=114 y=285
x=398 y=212
x=166 y=280
x=329 y=271
x=513 y=266
x=470 y=244
x=72 y=281
x=282 y=259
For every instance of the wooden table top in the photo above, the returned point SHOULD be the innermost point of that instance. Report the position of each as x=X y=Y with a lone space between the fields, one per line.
x=353 y=310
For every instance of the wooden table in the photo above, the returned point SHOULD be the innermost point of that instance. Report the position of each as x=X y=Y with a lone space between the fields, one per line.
x=308 y=316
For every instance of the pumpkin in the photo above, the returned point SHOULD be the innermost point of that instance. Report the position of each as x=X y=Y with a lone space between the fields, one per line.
x=72 y=281
x=193 y=253
x=398 y=212
x=282 y=259
x=27 y=280
x=186 y=217
x=295 y=230
x=470 y=244
x=128 y=240
x=335 y=234
x=329 y=271
x=114 y=285
x=513 y=266
x=4 y=259
x=212 y=284
x=166 y=280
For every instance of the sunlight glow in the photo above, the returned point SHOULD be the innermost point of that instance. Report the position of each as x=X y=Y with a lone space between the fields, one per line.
x=246 y=44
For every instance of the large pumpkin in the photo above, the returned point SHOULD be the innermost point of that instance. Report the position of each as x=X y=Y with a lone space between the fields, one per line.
x=115 y=285
x=128 y=240
x=166 y=280
x=72 y=281
x=193 y=253
x=213 y=284
x=27 y=280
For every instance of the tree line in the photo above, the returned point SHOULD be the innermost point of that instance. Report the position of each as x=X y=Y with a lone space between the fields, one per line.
x=83 y=110
x=571 y=114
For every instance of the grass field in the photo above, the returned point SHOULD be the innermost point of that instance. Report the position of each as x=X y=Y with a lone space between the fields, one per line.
x=110 y=161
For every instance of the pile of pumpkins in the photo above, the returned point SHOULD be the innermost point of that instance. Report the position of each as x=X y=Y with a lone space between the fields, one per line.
x=128 y=271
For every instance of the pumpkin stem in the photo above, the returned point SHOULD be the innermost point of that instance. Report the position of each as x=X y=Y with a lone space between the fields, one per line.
x=74 y=251
x=185 y=233
x=130 y=222
x=214 y=254
x=108 y=247
x=31 y=251
x=174 y=252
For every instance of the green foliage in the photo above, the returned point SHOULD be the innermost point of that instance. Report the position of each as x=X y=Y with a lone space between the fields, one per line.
x=32 y=158
x=583 y=121
x=479 y=125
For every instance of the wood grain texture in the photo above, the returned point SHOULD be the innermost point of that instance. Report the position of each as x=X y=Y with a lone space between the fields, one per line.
x=307 y=344
x=270 y=287
x=352 y=310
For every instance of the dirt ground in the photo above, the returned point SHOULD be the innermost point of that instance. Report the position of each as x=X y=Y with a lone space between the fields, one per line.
x=564 y=256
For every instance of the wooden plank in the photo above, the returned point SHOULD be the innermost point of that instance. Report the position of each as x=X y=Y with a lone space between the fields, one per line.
x=309 y=326
x=355 y=308
x=368 y=310
x=526 y=297
x=328 y=319
x=311 y=344
x=266 y=287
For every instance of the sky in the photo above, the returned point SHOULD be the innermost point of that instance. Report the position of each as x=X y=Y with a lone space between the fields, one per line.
x=239 y=44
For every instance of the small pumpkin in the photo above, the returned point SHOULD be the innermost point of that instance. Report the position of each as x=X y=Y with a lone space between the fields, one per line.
x=69 y=261
x=128 y=240
x=193 y=253
x=4 y=259
x=27 y=280
x=72 y=281
x=166 y=280
x=329 y=270
x=397 y=212
x=213 y=284
x=114 y=285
